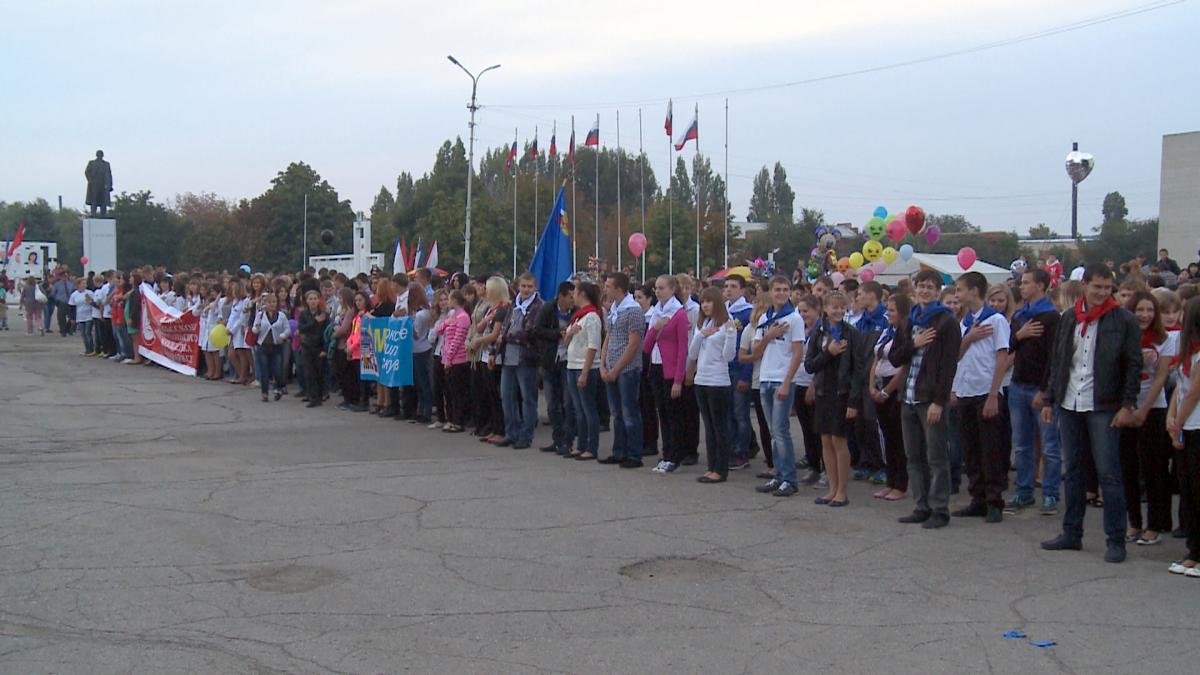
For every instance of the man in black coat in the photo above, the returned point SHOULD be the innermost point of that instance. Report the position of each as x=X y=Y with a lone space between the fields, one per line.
x=1094 y=388
x=552 y=320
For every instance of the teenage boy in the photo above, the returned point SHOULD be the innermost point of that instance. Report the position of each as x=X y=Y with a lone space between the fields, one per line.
x=621 y=371
x=871 y=322
x=930 y=350
x=519 y=374
x=1032 y=346
x=1094 y=384
x=740 y=374
x=552 y=324
x=779 y=343
x=982 y=362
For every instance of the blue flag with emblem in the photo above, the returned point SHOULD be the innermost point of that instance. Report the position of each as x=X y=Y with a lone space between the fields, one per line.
x=552 y=259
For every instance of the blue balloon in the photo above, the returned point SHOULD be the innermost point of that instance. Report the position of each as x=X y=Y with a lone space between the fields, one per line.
x=820 y=231
x=881 y=213
x=245 y=268
x=906 y=252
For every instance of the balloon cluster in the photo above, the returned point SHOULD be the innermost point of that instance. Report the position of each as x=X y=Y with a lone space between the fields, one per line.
x=763 y=269
x=875 y=256
x=823 y=257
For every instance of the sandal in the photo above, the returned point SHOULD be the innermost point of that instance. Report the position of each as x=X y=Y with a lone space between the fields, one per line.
x=1144 y=541
x=1096 y=501
x=895 y=497
x=1132 y=535
x=882 y=493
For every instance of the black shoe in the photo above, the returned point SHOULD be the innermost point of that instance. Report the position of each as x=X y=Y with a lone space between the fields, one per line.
x=768 y=487
x=520 y=446
x=609 y=460
x=706 y=479
x=994 y=515
x=631 y=463
x=690 y=460
x=550 y=448
x=936 y=521
x=1062 y=543
x=1115 y=553
x=312 y=404
x=650 y=452
x=915 y=517
x=972 y=510
x=504 y=444
x=1179 y=533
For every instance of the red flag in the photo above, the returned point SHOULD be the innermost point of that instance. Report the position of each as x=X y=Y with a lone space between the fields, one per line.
x=17 y=239
x=533 y=151
x=669 y=125
x=692 y=134
x=553 y=147
x=512 y=155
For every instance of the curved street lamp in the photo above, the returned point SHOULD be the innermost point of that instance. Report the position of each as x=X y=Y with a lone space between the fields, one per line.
x=472 y=106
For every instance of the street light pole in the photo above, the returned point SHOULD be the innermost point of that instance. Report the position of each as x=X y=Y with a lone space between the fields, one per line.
x=473 y=106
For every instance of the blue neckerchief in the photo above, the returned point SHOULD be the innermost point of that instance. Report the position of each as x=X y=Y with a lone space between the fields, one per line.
x=888 y=335
x=1029 y=311
x=772 y=315
x=921 y=317
x=833 y=330
x=563 y=317
x=874 y=321
x=969 y=320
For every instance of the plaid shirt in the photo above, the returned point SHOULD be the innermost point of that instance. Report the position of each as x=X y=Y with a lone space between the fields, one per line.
x=627 y=322
x=910 y=382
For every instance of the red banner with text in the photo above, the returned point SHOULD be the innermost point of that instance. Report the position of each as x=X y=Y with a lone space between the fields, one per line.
x=170 y=338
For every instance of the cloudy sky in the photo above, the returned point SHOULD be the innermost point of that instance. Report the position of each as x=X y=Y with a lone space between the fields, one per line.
x=219 y=96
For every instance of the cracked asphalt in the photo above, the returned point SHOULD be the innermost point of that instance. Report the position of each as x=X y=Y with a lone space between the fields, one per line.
x=151 y=523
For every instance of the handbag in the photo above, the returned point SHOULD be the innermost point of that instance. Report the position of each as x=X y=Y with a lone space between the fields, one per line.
x=39 y=295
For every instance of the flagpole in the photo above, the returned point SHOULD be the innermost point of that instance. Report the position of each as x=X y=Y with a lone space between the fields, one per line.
x=670 y=204
x=597 y=188
x=574 y=239
x=725 y=203
x=516 y=168
x=553 y=160
x=618 y=190
x=536 y=171
x=696 y=175
x=642 y=187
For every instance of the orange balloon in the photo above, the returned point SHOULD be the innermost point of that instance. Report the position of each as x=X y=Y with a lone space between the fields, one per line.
x=843 y=265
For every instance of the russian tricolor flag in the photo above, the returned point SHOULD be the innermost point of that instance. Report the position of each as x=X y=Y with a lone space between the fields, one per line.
x=692 y=134
x=669 y=125
x=593 y=137
x=533 y=151
x=571 y=146
x=512 y=155
x=553 y=147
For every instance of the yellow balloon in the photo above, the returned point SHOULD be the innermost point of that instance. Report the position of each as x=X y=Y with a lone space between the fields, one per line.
x=889 y=255
x=872 y=250
x=219 y=336
x=856 y=260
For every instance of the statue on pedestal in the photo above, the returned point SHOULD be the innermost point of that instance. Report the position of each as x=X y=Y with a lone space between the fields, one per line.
x=99 y=184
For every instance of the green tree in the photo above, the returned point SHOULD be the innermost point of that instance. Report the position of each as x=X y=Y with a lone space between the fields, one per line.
x=1042 y=231
x=273 y=221
x=762 y=198
x=784 y=198
x=148 y=233
x=951 y=223
x=212 y=240
x=1113 y=208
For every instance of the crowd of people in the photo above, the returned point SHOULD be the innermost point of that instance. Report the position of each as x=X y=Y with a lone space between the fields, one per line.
x=1085 y=389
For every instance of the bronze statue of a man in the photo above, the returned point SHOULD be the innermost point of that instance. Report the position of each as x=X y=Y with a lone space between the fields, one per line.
x=99 y=184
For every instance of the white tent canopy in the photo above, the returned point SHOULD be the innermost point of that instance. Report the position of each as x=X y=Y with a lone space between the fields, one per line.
x=945 y=263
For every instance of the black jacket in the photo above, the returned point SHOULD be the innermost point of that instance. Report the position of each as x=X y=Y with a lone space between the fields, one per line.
x=939 y=363
x=546 y=335
x=1032 y=356
x=840 y=375
x=1117 y=362
x=518 y=330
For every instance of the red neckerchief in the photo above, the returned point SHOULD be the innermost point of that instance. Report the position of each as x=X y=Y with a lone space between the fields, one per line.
x=1086 y=317
x=1149 y=339
x=584 y=311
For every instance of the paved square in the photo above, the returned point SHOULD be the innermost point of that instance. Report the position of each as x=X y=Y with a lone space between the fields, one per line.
x=151 y=523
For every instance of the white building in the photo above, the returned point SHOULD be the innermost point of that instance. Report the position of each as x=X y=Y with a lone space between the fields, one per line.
x=1179 y=197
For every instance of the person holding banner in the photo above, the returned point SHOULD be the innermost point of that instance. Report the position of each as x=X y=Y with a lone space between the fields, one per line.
x=311 y=325
x=385 y=306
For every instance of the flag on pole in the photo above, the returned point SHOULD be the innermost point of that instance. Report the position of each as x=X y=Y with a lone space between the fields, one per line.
x=432 y=258
x=553 y=147
x=512 y=156
x=418 y=257
x=533 y=151
x=571 y=146
x=692 y=134
x=399 y=265
x=552 y=259
x=669 y=125
x=17 y=239
x=593 y=137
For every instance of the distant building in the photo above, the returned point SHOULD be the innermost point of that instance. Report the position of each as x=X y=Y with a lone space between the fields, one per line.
x=1179 y=196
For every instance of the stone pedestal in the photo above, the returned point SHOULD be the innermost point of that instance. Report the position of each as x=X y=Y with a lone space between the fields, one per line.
x=99 y=244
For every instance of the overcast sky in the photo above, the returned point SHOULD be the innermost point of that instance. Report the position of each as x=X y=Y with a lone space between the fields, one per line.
x=219 y=96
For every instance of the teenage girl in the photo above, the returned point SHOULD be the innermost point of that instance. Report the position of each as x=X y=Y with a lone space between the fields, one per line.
x=452 y=330
x=834 y=357
x=1183 y=424
x=709 y=353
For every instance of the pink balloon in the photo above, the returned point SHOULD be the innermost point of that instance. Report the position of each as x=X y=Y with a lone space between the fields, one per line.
x=895 y=230
x=966 y=257
x=637 y=244
x=83 y=260
x=932 y=234
x=837 y=278
x=866 y=274
x=879 y=266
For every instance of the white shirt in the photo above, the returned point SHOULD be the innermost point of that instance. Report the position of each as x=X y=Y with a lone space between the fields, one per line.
x=803 y=378
x=712 y=355
x=883 y=365
x=777 y=355
x=1192 y=423
x=660 y=311
x=747 y=346
x=585 y=339
x=81 y=301
x=1164 y=350
x=279 y=329
x=1077 y=273
x=100 y=295
x=978 y=364
x=1081 y=380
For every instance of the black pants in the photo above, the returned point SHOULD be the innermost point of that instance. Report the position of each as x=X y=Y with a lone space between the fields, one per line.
x=691 y=423
x=314 y=376
x=457 y=391
x=439 y=389
x=65 y=312
x=490 y=420
x=985 y=457
x=649 y=410
x=808 y=430
x=764 y=428
x=715 y=405
x=671 y=416
x=893 y=442
x=1189 y=491
x=1145 y=453
x=866 y=436
x=107 y=344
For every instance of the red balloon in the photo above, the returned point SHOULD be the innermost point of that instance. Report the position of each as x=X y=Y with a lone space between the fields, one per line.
x=637 y=244
x=914 y=219
x=83 y=260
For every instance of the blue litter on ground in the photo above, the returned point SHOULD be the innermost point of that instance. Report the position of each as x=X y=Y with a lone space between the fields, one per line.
x=1044 y=643
x=1014 y=634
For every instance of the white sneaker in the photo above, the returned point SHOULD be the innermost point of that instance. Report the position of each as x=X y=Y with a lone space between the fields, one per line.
x=1178 y=567
x=658 y=468
x=823 y=481
x=127 y=361
x=435 y=425
x=669 y=467
x=1192 y=572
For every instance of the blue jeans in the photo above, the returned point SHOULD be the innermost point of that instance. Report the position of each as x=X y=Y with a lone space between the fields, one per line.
x=1025 y=423
x=626 y=410
x=268 y=364
x=778 y=414
x=519 y=422
x=124 y=343
x=587 y=414
x=423 y=381
x=85 y=329
x=740 y=425
x=560 y=405
x=1092 y=432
